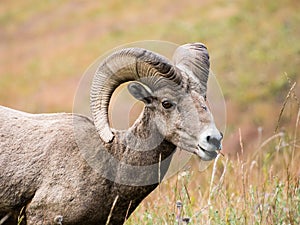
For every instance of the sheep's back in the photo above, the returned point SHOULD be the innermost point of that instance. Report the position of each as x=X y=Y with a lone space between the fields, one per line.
x=34 y=149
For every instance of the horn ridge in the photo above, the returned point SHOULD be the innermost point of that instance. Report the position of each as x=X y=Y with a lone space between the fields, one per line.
x=122 y=66
x=193 y=60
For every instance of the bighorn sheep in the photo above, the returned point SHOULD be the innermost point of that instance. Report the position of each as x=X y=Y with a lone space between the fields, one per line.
x=45 y=159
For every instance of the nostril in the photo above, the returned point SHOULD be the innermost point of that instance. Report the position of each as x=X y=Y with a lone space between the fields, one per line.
x=216 y=141
x=208 y=138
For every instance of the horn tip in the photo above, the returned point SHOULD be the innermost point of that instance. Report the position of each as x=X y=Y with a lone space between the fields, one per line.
x=105 y=133
x=108 y=138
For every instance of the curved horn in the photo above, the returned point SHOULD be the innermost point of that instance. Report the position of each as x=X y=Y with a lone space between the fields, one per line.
x=193 y=59
x=122 y=66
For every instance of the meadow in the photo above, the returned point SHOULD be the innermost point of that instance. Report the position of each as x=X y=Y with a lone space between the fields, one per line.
x=46 y=46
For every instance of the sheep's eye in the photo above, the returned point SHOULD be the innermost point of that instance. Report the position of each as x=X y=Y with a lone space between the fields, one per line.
x=166 y=104
x=204 y=107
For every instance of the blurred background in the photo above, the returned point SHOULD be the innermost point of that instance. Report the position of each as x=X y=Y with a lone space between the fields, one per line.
x=46 y=46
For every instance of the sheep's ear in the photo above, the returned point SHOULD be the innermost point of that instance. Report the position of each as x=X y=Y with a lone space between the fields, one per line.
x=140 y=92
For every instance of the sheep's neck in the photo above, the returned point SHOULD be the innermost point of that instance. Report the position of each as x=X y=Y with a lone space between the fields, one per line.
x=143 y=153
x=144 y=141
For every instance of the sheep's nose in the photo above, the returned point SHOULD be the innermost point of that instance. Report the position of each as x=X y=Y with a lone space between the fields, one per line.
x=215 y=140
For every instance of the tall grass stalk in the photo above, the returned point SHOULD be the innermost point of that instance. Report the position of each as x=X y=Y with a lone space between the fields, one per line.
x=260 y=187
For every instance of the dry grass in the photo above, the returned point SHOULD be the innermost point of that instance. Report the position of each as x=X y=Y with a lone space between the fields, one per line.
x=45 y=47
x=260 y=188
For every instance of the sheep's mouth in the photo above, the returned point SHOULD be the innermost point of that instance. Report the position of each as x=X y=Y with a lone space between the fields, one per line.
x=206 y=155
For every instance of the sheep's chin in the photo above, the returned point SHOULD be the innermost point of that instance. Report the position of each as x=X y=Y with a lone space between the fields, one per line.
x=206 y=155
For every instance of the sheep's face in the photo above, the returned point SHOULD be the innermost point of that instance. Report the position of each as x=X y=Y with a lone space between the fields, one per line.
x=183 y=118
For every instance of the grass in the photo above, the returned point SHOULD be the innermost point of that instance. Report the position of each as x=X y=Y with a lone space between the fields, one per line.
x=58 y=47
x=260 y=188
x=47 y=45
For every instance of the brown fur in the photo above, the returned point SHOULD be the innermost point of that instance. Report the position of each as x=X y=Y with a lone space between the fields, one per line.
x=43 y=170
